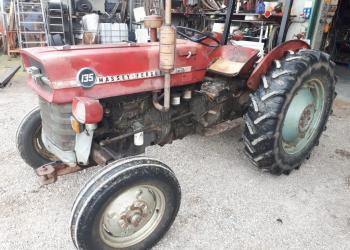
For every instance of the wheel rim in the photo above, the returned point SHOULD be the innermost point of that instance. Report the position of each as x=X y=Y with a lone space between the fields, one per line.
x=303 y=116
x=132 y=216
x=39 y=146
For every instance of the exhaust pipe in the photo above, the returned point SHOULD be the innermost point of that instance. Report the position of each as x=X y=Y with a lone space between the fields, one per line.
x=166 y=106
x=167 y=46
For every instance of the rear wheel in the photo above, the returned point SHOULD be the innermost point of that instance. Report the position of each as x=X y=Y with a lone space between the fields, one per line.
x=29 y=143
x=289 y=111
x=129 y=205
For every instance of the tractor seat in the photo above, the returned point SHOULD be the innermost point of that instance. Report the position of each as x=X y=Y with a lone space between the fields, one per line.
x=233 y=60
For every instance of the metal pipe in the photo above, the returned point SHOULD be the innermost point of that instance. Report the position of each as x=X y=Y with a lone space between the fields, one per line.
x=167 y=12
x=153 y=35
x=156 y=103
x=284 y=23
x=167 y=79
x=131 y=33
x=228 y=20
x=166 y=106
x=167 y=46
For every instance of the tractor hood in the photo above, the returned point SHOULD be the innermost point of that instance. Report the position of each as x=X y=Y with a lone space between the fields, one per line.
x=61 y=65
x=58 y=74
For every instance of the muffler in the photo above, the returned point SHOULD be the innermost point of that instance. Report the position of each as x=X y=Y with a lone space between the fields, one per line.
x=167 y=47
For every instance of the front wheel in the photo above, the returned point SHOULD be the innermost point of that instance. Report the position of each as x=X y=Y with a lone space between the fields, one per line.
x=289 y=111
x=130 y=205
x=29 y=143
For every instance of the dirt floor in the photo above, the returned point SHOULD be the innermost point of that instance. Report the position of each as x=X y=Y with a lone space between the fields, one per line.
x=226 y=203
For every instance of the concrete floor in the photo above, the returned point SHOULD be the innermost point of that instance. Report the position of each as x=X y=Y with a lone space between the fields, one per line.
x=343 y=85
x=226 y=203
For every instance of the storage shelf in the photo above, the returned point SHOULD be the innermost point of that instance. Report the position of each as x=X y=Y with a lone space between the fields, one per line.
x=224 y=14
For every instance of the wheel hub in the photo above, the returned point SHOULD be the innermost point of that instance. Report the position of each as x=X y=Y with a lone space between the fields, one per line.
x=303 y=116
x=132 y=215
x=306 y=118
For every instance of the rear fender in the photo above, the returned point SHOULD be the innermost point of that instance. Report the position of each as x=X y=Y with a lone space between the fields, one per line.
x=275 y=54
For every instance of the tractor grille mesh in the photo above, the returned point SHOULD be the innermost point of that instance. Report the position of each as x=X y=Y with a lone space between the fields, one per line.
x=56 y=124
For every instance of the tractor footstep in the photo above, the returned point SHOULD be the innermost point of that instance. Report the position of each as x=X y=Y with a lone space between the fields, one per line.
x=221 y=127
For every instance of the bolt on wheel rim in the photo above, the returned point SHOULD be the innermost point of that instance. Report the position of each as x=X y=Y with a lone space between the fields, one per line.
x=303 y=116
x=132 y=216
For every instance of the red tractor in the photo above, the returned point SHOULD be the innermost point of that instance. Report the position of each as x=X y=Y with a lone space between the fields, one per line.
x=101 y=104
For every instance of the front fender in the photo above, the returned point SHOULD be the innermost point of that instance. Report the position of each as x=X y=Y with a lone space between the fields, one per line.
x=275 y=54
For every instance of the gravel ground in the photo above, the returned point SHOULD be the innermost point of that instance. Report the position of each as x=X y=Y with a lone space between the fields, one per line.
x=226 y=204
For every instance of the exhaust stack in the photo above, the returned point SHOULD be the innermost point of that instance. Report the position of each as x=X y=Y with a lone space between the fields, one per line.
x=167 y=48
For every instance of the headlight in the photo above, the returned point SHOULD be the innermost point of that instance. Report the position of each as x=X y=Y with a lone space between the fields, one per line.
x=86 y=110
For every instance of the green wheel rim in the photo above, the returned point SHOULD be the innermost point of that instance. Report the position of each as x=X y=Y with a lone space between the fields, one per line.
x=303 y=117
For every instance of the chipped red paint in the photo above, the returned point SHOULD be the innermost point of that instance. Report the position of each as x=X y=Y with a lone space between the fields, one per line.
x=276 y=53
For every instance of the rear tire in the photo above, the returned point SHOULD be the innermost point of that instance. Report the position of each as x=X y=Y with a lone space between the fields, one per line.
x=106 y=209
x=269 y=137
x=29 y=143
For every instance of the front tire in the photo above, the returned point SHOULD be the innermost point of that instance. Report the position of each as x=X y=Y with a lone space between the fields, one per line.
x=129 y=205
x=29 y=143
x=289 y=111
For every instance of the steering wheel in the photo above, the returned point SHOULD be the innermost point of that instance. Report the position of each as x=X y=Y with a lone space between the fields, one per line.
x=197 y=36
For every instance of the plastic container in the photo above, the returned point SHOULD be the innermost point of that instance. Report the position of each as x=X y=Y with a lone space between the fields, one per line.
x=113 y=32
x=142 y=35
x=90 y=22
x=260 y=7
x=307 y=9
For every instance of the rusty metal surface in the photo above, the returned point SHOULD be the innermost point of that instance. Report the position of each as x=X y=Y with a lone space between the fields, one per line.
x=48 y=173
x=234 y=53
x=276 y=53
x=221 y=128
x=226 y=67
x=100 y=156
x=242 y=58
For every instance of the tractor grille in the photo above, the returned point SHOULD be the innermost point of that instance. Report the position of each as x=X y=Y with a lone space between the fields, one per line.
x=56 y=124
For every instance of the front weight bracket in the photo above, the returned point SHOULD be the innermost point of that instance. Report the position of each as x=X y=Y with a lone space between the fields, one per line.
x=48 y=173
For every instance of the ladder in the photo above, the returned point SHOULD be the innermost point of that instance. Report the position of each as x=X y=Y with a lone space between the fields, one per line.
x=55 y=19
x=30 y=20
